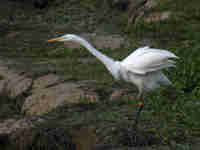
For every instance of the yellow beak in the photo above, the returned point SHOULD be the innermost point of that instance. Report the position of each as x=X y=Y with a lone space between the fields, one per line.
x=56 y=39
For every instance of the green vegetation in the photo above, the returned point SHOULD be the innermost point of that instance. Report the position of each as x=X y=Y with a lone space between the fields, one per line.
x=171 y=114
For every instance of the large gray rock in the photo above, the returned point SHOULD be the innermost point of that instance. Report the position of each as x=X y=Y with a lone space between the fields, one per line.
x=138 y=9
x=45 y=81
x=18 y=134
x=12 y=83
x=10 y=126
x=45 y=100
x=151 y=4
x=18 y=86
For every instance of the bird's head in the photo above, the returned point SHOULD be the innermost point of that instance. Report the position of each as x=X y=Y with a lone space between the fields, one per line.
x=66 y=37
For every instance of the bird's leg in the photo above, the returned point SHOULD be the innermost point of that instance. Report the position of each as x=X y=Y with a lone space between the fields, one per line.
x=135 y=130
x=139 y=109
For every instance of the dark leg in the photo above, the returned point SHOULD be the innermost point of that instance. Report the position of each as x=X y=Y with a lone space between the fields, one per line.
x=140 y=106
x=135 y=138
x=139 y=109
x=135 y=130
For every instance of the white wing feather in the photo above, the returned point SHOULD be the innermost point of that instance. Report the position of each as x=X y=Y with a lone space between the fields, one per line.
x=147 y=59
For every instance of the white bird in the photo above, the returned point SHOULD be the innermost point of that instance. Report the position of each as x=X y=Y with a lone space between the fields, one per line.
x=142 y=67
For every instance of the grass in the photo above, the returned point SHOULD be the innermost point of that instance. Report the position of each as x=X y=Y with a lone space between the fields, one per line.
x=171 y=114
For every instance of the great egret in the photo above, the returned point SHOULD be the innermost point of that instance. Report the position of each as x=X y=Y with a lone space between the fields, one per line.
x=142 y=67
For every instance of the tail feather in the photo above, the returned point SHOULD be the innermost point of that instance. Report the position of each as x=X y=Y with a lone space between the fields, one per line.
x=163 y=79
x=155 y=79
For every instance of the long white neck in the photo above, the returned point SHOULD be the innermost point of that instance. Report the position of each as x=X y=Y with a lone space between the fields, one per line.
x=110 y=64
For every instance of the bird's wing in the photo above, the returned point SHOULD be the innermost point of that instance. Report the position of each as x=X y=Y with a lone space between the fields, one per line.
x=147 y=59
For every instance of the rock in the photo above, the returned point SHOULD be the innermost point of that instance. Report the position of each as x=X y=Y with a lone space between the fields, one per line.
x=122 y=94
x=11 y=126
x=101 y=41
x=6 y=126
x=49 y=98
x=138 y=14
x=138 y=8
x=151 y=4
x=12 y=83
x=18 y=132
x=92 y=97
x=18 y=87
x=45 y=81
x=158 y=16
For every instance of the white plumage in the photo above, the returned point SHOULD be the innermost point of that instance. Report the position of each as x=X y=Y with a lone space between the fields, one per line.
x=142 y=67
x=144 y=60
x=145 y=65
